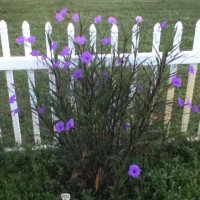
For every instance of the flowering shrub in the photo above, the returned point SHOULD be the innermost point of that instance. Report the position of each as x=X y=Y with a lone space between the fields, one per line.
x=102 y=113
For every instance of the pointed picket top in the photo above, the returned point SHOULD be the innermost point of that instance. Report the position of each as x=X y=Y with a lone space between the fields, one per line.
x=156 y=38
x=114 y=39
x=4 y=38
x=25 y=25
x=178 y=36
x=48 y=32
x=3 y=25
x=196 y=46
x=135 y=38
x=48 y=28
x=93 y=35
x=71 y=33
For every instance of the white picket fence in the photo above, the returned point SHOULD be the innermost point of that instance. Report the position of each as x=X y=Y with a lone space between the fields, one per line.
x=10 y=63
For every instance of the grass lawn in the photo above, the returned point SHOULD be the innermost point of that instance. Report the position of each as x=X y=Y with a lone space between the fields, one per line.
x=172 y=172
x=38 y=12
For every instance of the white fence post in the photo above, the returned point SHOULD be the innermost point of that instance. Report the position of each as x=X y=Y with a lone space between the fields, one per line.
x=191 y=83
x=10 y=81
x=31 y=81
x=134 y=50
x=93 y=40
x=135 y=39
x=114 y=40
x=173 y=70
x=71 y=33
x=50 y=55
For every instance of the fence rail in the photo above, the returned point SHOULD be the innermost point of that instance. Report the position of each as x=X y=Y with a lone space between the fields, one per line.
x=10 y=63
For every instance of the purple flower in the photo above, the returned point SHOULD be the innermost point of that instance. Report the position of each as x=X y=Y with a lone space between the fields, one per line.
x=191 y=69
x=86 y=57
x=139 y=88
x=180 y=102
x=65 y=51
x=41 y=110
x=54 y=46
x=63 y=12
x=12 y=99
x=97 y=19
x=126 y=126
x=80 y=40
x=59 y=17
x=43 y=57
x=70 y=125
x=16 y=111
x=176 y=82
x=56 y=65
x=35 y=53
x=59 y=127
x=163 y=25
x=195 y=109
x=20 y=40
x=138 y=19
x=31 y=39
x=75 y=18
x=189 y=104
x=105 y=75
x=134 y=171
x=119 y=61
x=78 y=74
x=106 y=41
x=66 y=65
x=112 y=20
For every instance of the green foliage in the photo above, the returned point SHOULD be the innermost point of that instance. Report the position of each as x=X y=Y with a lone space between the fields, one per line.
x=112 y=115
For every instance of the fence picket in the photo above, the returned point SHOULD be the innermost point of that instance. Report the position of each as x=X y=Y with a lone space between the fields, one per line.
x=71 y=33
x=31 y=80
x=50 y=54
x=173 y=70
x=135 y=39
x=156 y=38
x=114 y=40
x=10 y=81
x=191 y=83
x=8 y=63
x=134 y=50
x=93 y=40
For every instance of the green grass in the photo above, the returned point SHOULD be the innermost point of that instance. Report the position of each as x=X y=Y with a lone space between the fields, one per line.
x=37 y=13
x=171 y=172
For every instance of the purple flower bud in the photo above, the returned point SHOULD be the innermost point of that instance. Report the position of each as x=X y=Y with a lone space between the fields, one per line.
x=35 y=53
x=78 y=74
x=81 y=40
x=59 y=17
x=97 y=19
x=65 y=51
x=106 y=41
x=31 y=39
x=75 y=18
x=20 y=40
x=54 y=46
x=112 y=20
x=70 y=125
x=138 y=19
